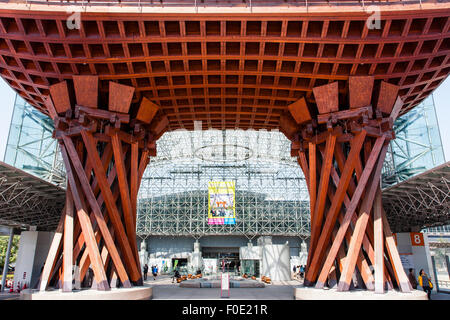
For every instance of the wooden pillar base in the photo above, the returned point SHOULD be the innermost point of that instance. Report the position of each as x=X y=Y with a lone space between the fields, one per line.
x=105 y=154
x=341 y=150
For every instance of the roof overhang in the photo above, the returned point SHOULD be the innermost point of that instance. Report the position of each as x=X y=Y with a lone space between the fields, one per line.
x=420 y=202
x=28 y=201
x=228 y=66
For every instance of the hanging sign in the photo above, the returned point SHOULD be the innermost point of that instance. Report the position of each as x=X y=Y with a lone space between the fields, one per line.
x=417 y=239
x=221 y=202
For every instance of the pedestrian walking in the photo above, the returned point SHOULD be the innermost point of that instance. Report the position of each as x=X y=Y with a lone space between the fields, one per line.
x=425 y=283
x=412 y=279
x=145 y=271
x=302 y=271
x=176 y=275
x=154 y=272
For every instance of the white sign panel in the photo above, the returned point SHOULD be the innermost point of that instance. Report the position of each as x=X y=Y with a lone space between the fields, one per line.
x=225 y=285
x=225 y=281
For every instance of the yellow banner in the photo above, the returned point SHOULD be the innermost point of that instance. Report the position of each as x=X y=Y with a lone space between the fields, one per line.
x=221 y=202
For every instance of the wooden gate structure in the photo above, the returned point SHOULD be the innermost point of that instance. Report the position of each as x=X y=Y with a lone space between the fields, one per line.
x=127 y=74
x=104 y=165
x=341 y=149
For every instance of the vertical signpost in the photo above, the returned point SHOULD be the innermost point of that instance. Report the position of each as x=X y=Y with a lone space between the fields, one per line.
x=225 y=285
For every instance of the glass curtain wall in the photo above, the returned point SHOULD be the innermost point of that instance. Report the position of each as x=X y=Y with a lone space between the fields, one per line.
x=271 y=193
x=417 y=146
x=30 y=144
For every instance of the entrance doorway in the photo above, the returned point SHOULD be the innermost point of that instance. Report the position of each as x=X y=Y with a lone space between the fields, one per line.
x=180 y=263
x=227 y=258
x=250 y=267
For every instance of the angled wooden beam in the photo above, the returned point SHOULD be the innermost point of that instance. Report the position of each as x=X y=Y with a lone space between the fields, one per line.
x=361 y=224
x=368 y=239
x=340 y=160
x=52 y=256
x=106 y=159
x=103 y=114
x=93 y=202
x=361 y=262
x=68 y=244
x=312 y=177
x=351 y=190
x=304 y=165
x=100 y=200
x=374 y=156
x=84 y=261
x=322 y=191
x=113 y=212
x=313 y=270
x=50 y=108
x=134 y=179
x=394 y=257
x=312 y=191
x=91 y=244
x=124 y=188
x=396 y=109
x=143 y=162
x=378 y=244
x=344 y=114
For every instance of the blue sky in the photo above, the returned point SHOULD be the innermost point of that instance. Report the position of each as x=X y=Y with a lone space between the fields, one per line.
x=441 y=99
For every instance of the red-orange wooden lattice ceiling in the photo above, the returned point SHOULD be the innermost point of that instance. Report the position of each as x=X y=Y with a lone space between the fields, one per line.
x=228 y=71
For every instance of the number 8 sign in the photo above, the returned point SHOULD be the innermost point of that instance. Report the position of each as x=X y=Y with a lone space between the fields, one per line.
x=417 y=239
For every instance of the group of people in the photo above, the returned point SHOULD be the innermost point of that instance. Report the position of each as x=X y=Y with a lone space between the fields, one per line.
x=175 y=275
x=299 y=271
x=424 y=281
x=154 y=271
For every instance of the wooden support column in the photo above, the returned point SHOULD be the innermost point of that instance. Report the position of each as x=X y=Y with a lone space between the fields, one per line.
x=350 y=211
x=68 y=244
x=105 y=151
x=113 y=214
x=91 y=244
x=361 y=224
x=125 y=194
x=345 y=238
x=316 y=262
x=378 y=244
x=134 y=179
x=394 y=257
x=312 y=192
x=53 y=252
x=322 y=191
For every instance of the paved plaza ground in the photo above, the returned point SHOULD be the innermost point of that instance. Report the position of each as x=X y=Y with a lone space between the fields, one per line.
x=164 y=289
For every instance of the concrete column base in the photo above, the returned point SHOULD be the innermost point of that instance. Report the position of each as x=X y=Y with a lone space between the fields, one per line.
x=136 y=293
x=305 y=293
